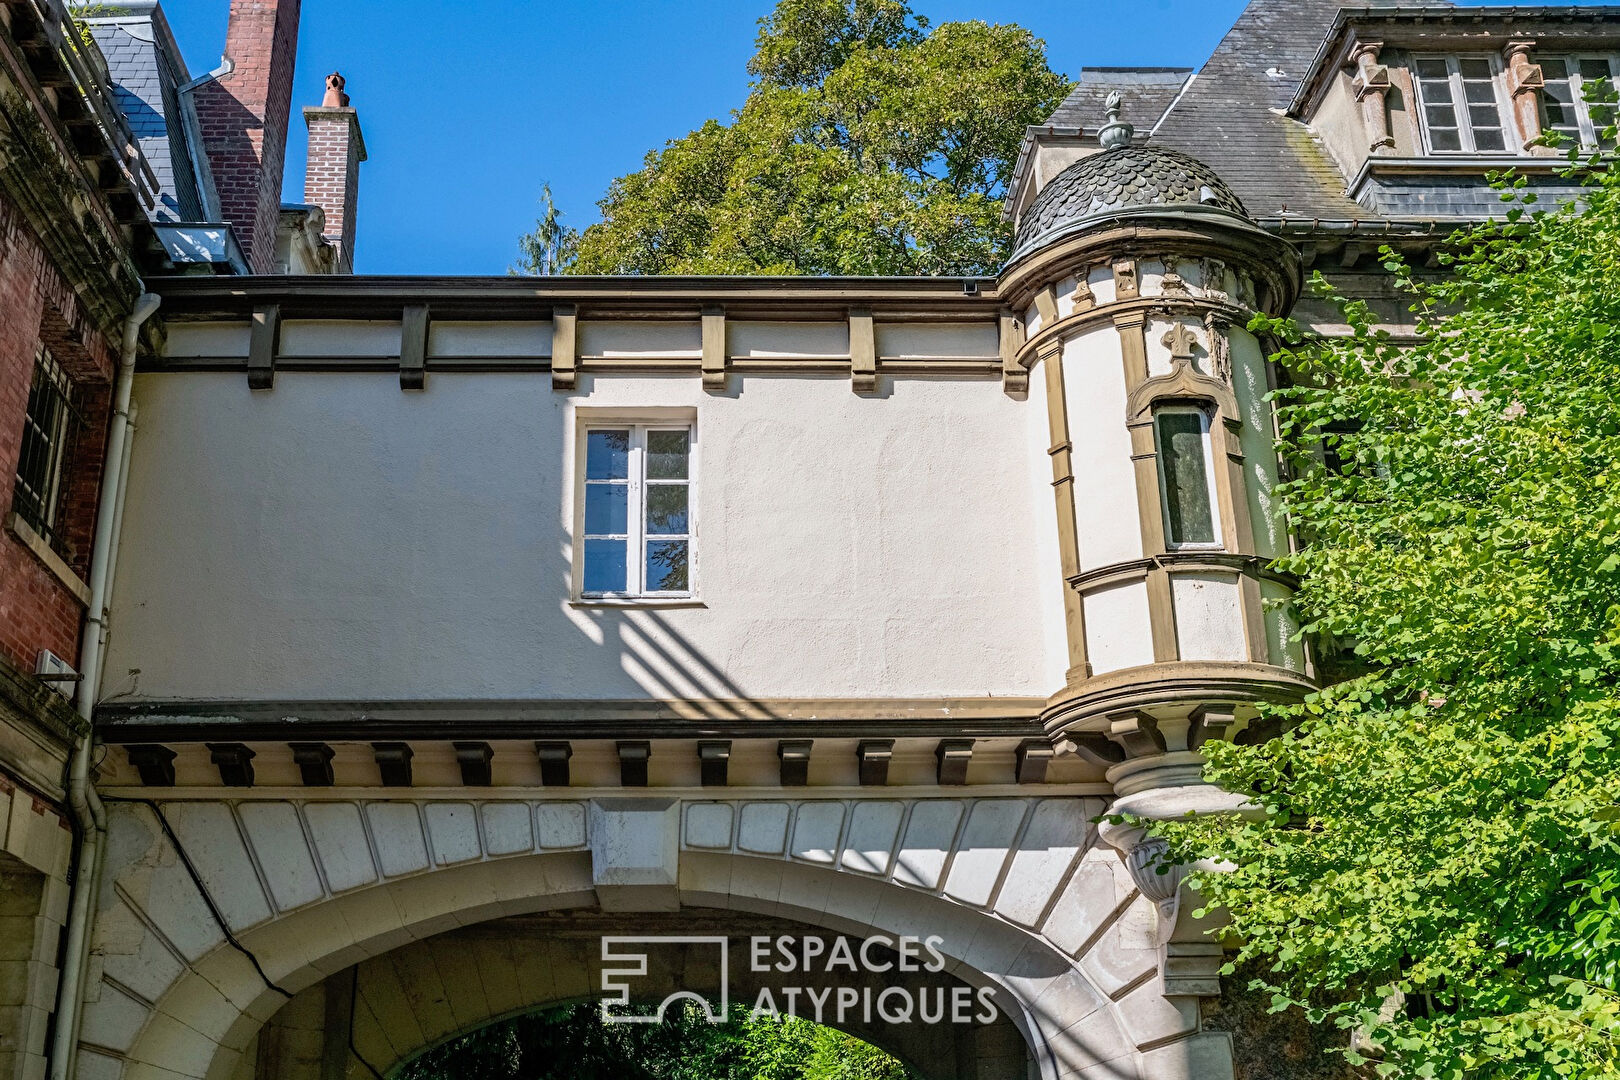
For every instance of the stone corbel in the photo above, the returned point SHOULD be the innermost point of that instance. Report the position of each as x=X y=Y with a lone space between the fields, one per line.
x=1189 y=959
x=1525 y=84
x=1371 y=87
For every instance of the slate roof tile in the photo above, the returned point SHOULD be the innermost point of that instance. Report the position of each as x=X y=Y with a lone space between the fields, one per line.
x=1230 y=117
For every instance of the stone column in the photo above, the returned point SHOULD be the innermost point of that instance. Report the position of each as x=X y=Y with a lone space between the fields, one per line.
x=1371 y=86
x=1524 y=84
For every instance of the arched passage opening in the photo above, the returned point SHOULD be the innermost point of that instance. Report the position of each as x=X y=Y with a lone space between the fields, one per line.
x=384 y=1012
x=200 y=945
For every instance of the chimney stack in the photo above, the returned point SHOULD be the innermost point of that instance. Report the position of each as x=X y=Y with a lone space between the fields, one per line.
x=243 y=114
x=332 y=173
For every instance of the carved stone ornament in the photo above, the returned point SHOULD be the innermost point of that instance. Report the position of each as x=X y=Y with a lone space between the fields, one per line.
x=1215 y=279
x=1084 y=298
x=1220 y=348
x=1182 y=342
x=1173 y=282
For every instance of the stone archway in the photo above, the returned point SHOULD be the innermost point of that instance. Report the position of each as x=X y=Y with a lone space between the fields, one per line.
x=372 y=1018
x=215 y=914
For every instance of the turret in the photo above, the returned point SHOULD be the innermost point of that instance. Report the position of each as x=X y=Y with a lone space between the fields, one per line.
x=1135 y=273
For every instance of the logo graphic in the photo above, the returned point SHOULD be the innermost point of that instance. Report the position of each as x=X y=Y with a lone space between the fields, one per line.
x=631 y=953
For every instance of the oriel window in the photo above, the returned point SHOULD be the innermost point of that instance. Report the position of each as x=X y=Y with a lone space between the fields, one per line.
x=49 y=426
x=637 y=538
x=1186 y=477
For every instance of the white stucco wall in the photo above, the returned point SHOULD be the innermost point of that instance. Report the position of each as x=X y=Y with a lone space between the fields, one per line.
x=337 y=538
x=1107 y=521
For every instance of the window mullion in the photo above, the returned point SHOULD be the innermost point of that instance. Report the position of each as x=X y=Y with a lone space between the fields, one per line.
x=1459 y=104
x=636 y=518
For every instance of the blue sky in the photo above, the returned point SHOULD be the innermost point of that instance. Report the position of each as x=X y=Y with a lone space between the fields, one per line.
x=469 y=106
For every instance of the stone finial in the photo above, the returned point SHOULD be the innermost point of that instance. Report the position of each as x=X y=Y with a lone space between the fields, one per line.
x=1116 y=133
x=335 y=97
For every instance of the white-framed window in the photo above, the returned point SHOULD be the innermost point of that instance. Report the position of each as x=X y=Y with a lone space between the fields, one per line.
x=1461 y=103
x=1566 y=82
x=635 y=514
x=1186 y=478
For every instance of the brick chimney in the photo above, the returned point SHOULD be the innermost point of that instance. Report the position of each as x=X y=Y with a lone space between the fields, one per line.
x=243 y=114
x=332 y=172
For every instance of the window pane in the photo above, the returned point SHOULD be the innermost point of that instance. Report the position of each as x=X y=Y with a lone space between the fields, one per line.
x=1474 y=68
x=1440 y=116
x=607 y=455
x=1594 y=69
x=604 y=565
x=607 y=509
x=1444 y=139
x=1489 y=139
x=1431 y=69
x=667 y=453
x=1479 y=93
x=1186 y=478
x=666 y=566
x=666 y=509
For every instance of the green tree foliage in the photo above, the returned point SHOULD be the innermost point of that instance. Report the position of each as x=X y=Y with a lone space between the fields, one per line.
x=549 y=249
x=1437 y=865
x=869 y=144
x=572 y=1043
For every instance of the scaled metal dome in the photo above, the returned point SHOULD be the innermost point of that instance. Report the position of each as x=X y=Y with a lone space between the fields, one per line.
x=1121 y=179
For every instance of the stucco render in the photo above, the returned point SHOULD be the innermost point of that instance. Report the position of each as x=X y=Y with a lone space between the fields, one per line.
x=339 y=539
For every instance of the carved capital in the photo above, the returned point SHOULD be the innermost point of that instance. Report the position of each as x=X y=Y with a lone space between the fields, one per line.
x=1522 y=75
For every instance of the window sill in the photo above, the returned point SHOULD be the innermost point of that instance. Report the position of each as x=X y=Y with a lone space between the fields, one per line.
x=639 y=602
x=53 y=562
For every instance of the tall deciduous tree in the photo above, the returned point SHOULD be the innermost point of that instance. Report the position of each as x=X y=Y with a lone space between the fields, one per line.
x=869 y=144
x=1438 y=863
x=549 y=249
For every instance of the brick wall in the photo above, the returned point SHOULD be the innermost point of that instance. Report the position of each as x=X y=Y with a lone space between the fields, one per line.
x=36 y=610
x=332 y=175
x=244 y=116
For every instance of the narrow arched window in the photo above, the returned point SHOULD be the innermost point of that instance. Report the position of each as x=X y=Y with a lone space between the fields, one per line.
x=1186 y=477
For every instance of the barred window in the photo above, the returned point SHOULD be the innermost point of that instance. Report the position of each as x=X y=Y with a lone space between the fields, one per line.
x=48 y=430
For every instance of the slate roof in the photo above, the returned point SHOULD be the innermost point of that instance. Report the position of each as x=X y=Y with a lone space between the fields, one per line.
x=1118 y=181
x=1230 y=117
x=147 y=75
x=1145 y=93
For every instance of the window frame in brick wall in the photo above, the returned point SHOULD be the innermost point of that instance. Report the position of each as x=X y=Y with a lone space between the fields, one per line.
x=1458 y=104
x=617 y=488
x=51 y=424
x=1584 y=130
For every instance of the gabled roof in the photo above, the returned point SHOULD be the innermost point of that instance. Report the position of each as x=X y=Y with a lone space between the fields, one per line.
x=1231 y=115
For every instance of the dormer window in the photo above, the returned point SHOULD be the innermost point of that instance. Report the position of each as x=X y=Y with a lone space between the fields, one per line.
x=1462 y=110
x=1564 y=108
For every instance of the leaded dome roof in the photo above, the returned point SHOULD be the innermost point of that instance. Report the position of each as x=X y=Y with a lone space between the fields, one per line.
x=1122 y=180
